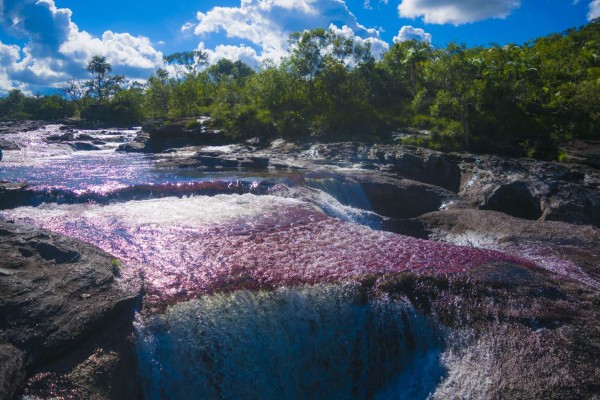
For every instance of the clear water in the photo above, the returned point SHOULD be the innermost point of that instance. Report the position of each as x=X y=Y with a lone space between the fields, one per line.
x=48 y=165
x=248 y=279
x=313 y=342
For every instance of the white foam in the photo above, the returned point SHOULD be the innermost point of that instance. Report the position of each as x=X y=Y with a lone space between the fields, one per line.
x=169 y=211
x=293 y=343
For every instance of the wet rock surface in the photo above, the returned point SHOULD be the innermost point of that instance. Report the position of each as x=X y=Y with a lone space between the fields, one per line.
x=518 y=333
x=14 y=194
x=8 y=145
x=160 y=135
x=56 y=292
x=12 y=126
x=522 y=188
x=522 y=322
x=579 y=244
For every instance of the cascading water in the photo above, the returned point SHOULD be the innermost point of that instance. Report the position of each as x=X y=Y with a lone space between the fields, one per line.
x=247 y=291
x=343 y=200
x=323 y=341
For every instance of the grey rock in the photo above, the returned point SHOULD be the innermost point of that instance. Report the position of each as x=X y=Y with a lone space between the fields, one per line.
x=84 y=146
x=55 y=292
x=13 y=364
x=8 y=145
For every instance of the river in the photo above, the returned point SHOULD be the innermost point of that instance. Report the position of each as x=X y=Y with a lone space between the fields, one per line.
x=252 y=280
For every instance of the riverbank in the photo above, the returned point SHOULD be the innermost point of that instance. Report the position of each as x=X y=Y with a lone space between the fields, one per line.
x=492 y=262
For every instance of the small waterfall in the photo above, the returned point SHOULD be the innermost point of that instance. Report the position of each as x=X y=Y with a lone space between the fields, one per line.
x=342 y=200
x=324 y=341
x=348 y=193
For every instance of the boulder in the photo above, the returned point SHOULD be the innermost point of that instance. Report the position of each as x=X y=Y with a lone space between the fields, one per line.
x=55 y=292
x=83 y=146
x=183 y=132
x=14 y=194
x=8 y=145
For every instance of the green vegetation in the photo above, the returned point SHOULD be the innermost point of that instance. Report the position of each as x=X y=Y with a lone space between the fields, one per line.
x=115 y=266
x=18 y=106
x=520 y=100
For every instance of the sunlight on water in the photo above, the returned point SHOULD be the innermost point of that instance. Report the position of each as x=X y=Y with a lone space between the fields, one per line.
x=322 y=342
x=192 y=246
x=48 y=167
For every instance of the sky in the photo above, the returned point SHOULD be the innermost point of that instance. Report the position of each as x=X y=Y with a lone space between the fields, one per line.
x=44 y=43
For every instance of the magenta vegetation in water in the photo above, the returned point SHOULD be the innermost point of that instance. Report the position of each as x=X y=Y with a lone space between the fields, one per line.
x=188 y=247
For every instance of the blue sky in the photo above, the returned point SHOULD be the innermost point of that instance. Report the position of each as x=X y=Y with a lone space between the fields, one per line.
x=43 y=43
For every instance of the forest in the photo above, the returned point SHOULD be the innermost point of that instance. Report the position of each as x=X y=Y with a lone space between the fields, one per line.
x=513 y=99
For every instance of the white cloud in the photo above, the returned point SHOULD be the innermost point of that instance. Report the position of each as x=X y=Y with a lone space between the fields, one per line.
x=234 y=53
x=367 y=4
x=408 y=32
x=594 y=10
x=9 y=54
x=378 y=46
x=456 y=12
x=267 y=24
x=57 y=50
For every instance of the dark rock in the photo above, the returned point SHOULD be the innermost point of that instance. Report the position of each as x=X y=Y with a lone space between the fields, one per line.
x=16 y=126
x=132 y=147
x=213 y=161
x=163 y=134
x=7 y=145
x=12 y=370
x=55 y=292
x=14 y=194
x=85 y=136
x=397 y=198
x=531 y=189
x=402 y=198
x=84 y=146
x=260 y=162
x=514 y=199
x=575 y=204
x=583 y=152
x=66 y=137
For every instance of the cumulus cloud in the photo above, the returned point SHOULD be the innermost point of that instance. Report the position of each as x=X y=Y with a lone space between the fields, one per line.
x=234 y=53
x=266 y=24
x=56 y=50
x=9 y=54
x=378 y=46
x=594 y=10
x=408 y=32
x=456 y=12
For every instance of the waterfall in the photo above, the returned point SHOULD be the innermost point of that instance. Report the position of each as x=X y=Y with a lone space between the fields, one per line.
x=323 y=341
x=342 y=200
x=348 y=193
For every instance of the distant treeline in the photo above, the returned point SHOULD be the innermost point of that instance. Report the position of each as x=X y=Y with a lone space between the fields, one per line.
x=513 y=99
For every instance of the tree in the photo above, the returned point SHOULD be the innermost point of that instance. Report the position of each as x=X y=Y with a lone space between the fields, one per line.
x=456 y=76
x=75 y=91
x=227 y=69
x=14 y=103
x=158 y=90
x=103 y=85
x=187 y=63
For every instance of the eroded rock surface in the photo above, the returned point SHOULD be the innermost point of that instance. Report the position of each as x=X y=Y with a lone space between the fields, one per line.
x=56 y=292
x=522 y=188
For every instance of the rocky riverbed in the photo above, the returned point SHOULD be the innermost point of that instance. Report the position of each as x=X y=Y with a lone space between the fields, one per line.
x=485 y=270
